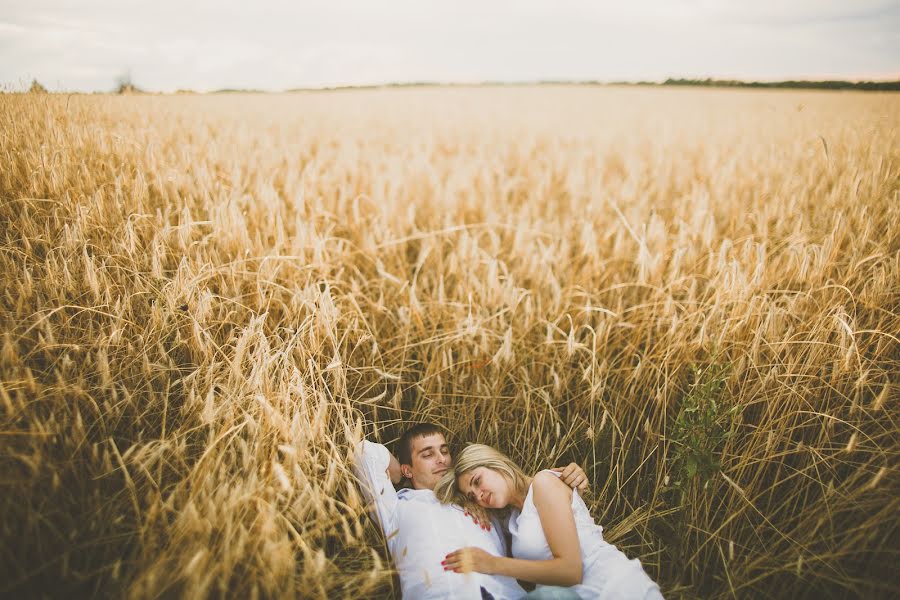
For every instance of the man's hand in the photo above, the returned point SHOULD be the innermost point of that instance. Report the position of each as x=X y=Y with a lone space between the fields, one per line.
x=479 y=516
x=466 y=560
x=393 y=471
x=573 y=476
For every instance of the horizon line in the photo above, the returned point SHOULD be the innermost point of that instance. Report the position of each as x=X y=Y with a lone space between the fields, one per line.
x=875 y=84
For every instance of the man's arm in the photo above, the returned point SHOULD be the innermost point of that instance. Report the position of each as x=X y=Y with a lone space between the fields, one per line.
x=372 y=466
x=393 y=470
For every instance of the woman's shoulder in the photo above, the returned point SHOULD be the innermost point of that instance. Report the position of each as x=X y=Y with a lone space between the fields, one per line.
x=547 y=480
x=549 y=493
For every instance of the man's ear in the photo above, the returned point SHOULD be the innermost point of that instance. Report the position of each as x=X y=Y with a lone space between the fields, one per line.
x=406 y=470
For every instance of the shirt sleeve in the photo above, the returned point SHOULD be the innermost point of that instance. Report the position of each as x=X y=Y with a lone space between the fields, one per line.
x=370 y=463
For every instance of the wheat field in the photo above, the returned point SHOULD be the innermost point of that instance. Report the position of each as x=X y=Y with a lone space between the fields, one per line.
x=694 y=294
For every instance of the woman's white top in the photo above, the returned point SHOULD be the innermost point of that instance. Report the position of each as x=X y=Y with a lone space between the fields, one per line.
x=606 y=572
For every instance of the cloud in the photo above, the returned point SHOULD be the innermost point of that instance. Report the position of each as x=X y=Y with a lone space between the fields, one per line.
x=775 y=13
x=203 y=44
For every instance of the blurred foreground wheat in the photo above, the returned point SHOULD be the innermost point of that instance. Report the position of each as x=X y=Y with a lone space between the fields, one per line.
x=694 y=294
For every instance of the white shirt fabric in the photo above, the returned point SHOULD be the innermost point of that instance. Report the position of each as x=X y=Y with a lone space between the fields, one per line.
x=420 y=532
x=606 y=571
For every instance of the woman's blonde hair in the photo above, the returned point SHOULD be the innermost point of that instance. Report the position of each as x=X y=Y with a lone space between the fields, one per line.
x=474 y=456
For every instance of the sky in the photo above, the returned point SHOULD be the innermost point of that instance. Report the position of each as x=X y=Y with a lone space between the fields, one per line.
x=204 y=45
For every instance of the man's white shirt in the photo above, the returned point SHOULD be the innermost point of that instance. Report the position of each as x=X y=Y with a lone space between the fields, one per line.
x=420 y=532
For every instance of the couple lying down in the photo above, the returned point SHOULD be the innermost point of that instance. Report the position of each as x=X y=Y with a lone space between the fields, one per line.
x=441 y=550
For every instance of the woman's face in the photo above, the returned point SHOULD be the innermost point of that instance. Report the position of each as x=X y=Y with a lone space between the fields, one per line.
x=485 y=487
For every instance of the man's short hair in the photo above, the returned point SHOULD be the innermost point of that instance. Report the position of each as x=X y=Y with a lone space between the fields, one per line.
x=405 y=443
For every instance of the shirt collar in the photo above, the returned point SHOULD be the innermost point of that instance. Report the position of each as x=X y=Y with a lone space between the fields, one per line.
x=417 y=495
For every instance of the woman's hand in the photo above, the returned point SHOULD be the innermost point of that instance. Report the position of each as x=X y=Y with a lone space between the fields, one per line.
x=466 y=560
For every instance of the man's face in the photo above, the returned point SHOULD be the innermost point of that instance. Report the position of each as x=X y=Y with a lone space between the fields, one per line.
x=430 y=460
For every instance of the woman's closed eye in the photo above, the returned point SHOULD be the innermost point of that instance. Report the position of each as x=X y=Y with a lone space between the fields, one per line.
x=475 y=481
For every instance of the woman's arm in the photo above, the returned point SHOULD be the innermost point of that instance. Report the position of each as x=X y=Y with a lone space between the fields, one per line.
x=553 y=500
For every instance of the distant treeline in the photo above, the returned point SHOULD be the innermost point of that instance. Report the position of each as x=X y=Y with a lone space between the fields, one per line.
x=867 y=86
x=125 y=86
x=874 y=86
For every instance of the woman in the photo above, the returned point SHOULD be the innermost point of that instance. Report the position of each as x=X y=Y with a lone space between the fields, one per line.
x=555 y=541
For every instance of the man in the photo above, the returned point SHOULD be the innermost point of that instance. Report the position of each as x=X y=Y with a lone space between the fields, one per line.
x=420 y=531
